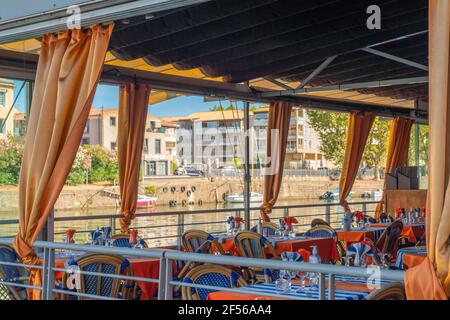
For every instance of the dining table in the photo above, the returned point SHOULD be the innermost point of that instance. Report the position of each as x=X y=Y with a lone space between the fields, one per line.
x=326 y=247
x=346 y=288
x=413 y=231
x=359 y=234
x=410 y=257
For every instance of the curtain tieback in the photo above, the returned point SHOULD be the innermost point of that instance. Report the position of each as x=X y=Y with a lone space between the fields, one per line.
x=125 y=222
x=29 y=258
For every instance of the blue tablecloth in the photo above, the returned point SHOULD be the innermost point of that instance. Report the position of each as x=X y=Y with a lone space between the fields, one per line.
x=312 y=293
x=411 y=250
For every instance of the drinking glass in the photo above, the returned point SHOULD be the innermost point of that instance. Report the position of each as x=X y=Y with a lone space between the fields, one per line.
x=302 y=275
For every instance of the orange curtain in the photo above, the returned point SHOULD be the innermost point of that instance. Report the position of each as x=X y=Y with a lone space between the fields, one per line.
x=359 y=126
x=133 y=105
x=279 y=118
x=397 y=154
x=68 y=71
x=431 y=280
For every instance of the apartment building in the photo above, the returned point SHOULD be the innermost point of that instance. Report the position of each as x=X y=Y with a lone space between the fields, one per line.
x=6 y=100
x=303 y=144
x=216 y=138
x=159 y=150
x=211 y=138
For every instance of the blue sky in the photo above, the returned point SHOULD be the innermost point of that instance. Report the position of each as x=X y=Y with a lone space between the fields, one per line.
x=107 y=97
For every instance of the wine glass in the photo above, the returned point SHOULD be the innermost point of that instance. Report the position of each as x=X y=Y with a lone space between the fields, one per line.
x=302 y=275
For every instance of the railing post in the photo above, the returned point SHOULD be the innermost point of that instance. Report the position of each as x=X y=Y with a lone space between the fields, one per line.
x=162 y=285
x=331 y=287
x=48 y=278
x=364 y=208
x=112 y=224
x=180 y=230
x=328 y=214
x=168 y=290
x=322 y=286
x=286 y=212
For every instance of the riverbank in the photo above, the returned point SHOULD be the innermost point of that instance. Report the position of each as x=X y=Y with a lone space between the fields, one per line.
x=187 y=190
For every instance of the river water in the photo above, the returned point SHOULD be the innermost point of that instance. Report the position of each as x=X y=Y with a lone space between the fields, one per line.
x=161 y=228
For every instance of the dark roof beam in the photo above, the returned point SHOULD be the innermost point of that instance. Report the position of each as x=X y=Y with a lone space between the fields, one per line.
x=348 y=86
x=395 y=58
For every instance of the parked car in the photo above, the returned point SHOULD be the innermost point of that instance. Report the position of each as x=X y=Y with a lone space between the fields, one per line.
x=228 y=171
x=188 y=171
x=332 y=194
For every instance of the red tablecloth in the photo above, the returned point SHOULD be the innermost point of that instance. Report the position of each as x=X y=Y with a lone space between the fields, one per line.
x=353 y=236
x=326 y=246
x=413 y=232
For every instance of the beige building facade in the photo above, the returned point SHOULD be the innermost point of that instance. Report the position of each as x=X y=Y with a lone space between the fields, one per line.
x=159 y=148
x=6 y=100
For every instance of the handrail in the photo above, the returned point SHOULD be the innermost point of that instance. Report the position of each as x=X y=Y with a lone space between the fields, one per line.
x=193 y=212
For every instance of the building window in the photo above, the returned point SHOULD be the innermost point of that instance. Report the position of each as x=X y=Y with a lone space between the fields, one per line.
x=157 y=146
x=84 y=141
x=145 y=145
x=112 y=121
x=113 y=146
x=2 y=99
x=2 y=127
x=86 y=129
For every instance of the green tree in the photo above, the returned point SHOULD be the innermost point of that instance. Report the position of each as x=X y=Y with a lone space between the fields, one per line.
x=376 y=147
x=423 y=145
x=105 y=167
x=332 y=129
x=11 y=154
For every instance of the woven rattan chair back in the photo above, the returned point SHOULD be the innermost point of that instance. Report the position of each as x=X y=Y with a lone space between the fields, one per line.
x=395 y=291
x=321 y=231
x=389 y=238
x=193 y=239
x=269 y=228
x=99 y=285
x=10 y=273
x=123 y=241
x=318 y=222
x=210 y=275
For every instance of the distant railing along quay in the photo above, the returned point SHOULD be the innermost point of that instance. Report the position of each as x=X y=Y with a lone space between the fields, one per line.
x=330 y=212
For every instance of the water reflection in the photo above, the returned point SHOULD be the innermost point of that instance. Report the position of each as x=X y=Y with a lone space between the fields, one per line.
x=161 y=229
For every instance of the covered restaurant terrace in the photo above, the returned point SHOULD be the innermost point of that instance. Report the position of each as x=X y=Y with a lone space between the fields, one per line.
x=331 y=55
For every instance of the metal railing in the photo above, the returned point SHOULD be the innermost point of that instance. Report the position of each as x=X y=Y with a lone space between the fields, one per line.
x=166 y=282
x=169 y=233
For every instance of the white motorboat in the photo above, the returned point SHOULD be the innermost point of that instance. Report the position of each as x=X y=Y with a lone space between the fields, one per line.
x=239 y=198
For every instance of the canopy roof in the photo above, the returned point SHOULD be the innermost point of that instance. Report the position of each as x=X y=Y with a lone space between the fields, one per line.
x=313 y=46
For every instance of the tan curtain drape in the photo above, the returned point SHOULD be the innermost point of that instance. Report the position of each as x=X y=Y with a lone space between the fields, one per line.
x=133 y=106
x=359 y=126
x=399 y=138
x=68 y=71
x=431 y=279
x=277 y=133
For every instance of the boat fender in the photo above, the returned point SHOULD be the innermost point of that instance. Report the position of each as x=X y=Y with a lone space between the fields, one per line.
x=183 y=189
x=200 y=202
x=193 y=188
x=183 y=203
x=173 y=189
x=188 y=193
x=165 y=190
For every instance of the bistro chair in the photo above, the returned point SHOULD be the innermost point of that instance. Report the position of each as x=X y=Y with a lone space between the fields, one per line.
x=12 y=274
x=123 y=241
x=193 y=239
x=97 y=285
x=394 y=291
x=210 y=275
x=388 y=240
x=270 y=227
x=253 y=245
x=321 y=231
x=319 y=222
